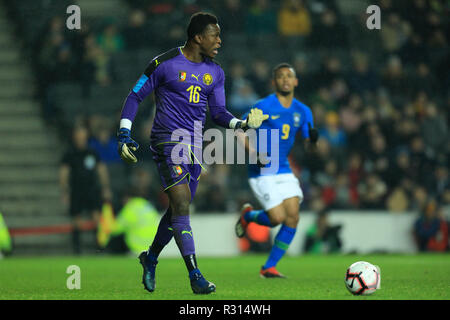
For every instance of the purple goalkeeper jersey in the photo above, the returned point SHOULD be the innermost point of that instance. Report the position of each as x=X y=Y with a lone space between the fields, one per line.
x=183 y=89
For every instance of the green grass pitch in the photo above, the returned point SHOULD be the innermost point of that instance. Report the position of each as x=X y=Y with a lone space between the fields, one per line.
x=403 y=277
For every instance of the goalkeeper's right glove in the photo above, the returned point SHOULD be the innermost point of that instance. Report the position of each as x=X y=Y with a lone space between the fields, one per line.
x=126 y=145
x=255 y=118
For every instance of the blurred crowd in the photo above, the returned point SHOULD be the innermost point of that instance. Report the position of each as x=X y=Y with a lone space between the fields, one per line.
x=380 y=98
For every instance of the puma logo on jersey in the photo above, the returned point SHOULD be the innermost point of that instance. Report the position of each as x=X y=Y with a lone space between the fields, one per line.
x=194 y=76
x=275 y=117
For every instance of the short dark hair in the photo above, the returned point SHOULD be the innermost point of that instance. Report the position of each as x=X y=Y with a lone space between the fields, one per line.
x=198 y=23
x=280 y=66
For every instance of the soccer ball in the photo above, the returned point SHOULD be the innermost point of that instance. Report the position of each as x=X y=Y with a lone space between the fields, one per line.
x=362 y=278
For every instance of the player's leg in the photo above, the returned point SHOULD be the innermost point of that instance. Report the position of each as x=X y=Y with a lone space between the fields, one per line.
x=168 y=177
x=75 y=210
x=76 y=233
x=179 y=200
x=165 y=232
x=163 y=235
x=284 y=236
x=292 y=208
x=280 y=195
x=180 y=197
x=94 y=205
x=260 y=187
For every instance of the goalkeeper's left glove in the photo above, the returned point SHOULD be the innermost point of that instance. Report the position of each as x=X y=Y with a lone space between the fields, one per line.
x=126 y=145
x=313 y=134
x=255 y=118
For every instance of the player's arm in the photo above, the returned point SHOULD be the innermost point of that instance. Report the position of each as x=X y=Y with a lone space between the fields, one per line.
x=222 y=117
x=143 y=87
x=251 y=148
x=309 y=133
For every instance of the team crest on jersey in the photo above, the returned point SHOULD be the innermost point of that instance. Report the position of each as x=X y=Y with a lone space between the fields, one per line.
x=296 y=119
x=181 y=76
x=207 y=79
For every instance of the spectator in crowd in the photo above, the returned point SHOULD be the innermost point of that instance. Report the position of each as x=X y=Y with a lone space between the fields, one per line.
x=346 y=196
x=322 y=237
x=397 y=200
x=377 y=159
x=136 y=34
x=355 y=171
x=323 y=97
x=418 y=199
x=362 y=78
x=327 y=181
x=238 y=72
x=259 y=76
x=333 y=133
x=440 y=180
x=330 y=70
x=56 y=60
x=395 y=79
x=395 y=33
x=261 y=19
x=315 y=162
x=400 y=168
x=235 y=10
x=104 y=143
x=242 y=96
x=304 y=74
x=110 y=40
x=430 y=229
x=136 y=224
x=423 y=80
x=294 y=23
x=242 y=93
x=96 y=64
x=351 y=120
x=330 y=32
x=372 y=191
x=435 y=130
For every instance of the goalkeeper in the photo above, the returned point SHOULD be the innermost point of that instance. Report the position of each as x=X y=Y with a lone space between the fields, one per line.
x=185 y=80
x=278 y=192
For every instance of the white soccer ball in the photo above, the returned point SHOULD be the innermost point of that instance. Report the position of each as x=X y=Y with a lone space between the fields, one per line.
x=362 y=278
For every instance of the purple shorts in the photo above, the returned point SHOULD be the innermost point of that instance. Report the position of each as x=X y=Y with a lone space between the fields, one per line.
x=171 y=171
